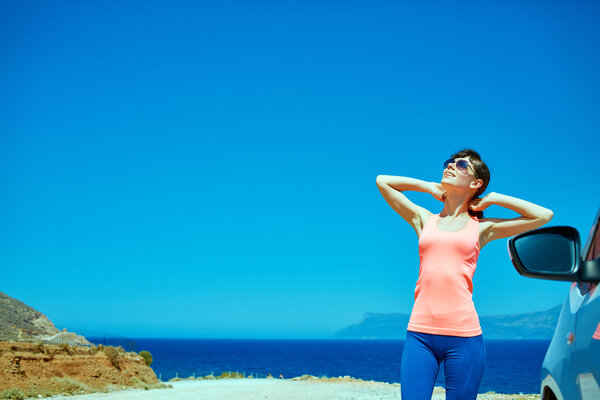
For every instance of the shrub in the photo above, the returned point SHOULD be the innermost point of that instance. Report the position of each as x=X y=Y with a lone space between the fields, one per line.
x=38 y=392
x=12 y=394
x=112 y=354
x=305 y=377
x=66 y=385
x=146 y=356
x=66 y=348
x=230 y=374
x=138 y=383
x=39 y=347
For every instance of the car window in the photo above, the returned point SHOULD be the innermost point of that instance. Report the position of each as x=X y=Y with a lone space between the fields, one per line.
x=594 y=249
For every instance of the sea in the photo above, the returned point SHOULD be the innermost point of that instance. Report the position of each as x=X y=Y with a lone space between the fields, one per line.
x=512 y=366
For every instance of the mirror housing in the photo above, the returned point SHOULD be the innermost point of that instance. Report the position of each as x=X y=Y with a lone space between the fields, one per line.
x=552 y=253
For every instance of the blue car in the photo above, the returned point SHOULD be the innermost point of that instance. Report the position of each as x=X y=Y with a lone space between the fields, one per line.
x=571 y=368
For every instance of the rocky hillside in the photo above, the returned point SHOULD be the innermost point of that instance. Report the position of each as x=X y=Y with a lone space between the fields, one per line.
x=19 y=322
x=40 y=370
x=31 y=366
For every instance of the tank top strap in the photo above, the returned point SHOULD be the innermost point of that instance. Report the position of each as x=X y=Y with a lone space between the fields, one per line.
x=432 y=219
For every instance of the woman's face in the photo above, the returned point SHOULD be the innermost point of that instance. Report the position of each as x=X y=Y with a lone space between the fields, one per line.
x=455 y=176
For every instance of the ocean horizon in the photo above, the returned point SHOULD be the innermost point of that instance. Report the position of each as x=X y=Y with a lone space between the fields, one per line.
x=512 y=366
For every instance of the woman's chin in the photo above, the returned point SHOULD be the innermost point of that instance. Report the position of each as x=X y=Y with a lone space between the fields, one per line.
x=446 y=182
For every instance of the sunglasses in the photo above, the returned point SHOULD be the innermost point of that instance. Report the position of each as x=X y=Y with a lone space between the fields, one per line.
x=461 y=165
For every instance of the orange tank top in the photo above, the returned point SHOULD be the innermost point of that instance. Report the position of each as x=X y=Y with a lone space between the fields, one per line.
x=444 y=290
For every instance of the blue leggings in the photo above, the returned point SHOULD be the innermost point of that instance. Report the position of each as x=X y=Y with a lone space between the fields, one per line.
x=464 y=362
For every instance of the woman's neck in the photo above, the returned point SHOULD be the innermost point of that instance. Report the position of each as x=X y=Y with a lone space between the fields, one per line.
x=455 y=205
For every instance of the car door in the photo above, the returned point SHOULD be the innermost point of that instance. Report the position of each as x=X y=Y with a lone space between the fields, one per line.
x=587 y=328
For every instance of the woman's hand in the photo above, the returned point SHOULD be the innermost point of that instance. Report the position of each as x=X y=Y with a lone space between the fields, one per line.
x=437 y=191
x=480 y=204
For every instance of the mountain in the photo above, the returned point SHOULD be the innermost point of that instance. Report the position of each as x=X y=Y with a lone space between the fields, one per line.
x=533 y=325
x=21 y=323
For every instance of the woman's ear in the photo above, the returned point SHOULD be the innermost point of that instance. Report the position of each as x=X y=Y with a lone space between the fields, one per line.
x=476 y=184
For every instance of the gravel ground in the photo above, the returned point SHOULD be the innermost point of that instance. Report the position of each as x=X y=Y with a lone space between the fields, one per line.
x=273 y=389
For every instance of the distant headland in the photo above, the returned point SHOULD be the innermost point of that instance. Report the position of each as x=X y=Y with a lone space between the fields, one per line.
x=533 y=325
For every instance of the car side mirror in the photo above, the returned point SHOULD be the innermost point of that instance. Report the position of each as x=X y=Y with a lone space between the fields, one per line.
x=552 y=253
x=547 y=253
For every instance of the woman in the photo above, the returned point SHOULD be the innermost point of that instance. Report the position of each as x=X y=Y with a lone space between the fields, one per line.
x=443 y=325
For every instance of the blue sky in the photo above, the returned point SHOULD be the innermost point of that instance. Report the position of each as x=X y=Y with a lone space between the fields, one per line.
x=207 y=169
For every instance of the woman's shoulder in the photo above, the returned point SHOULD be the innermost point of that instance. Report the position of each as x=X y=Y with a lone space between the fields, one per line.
x=485 y=223
x=425 y=214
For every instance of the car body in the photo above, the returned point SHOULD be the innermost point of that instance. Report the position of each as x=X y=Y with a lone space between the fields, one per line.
x=571 y=367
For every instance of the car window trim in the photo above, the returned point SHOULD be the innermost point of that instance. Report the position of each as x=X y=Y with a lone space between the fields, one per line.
x=590 y=237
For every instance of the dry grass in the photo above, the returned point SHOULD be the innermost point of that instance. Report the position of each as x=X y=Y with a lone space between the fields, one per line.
x=12 y=394
x=139 y=384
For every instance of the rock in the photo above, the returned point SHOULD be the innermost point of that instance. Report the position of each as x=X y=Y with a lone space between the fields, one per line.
x=21 y=323
x=29 y=365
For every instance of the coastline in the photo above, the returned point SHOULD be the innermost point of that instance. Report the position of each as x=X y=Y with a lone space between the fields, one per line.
x=515 y=363
x=305 y=387
x=32 y=370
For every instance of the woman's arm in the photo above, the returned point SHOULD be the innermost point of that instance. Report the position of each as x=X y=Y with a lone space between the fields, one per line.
x=532 y=216
x=391 y=188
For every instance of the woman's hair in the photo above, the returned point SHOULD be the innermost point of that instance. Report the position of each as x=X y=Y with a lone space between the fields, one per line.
x=481 y=172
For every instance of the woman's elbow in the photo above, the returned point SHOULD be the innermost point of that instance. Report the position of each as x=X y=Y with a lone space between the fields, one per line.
x=547 y=216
